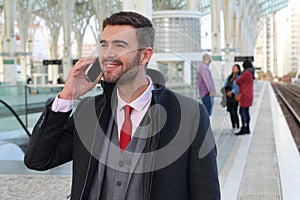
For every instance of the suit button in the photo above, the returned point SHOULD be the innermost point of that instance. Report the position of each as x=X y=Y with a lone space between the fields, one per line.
x=118 y=183
x=121 y=164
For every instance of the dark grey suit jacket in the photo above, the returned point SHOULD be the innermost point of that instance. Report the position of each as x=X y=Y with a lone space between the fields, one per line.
x=183 y=153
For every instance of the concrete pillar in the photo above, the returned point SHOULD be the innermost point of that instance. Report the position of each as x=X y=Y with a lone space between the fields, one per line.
x=29 y=47
x=215 y=23
x=144 y=7
x=23 y=21
x=9 y=43
x=194 y=5
x=217 y=68
x=67 y=14
x=235 y=30
x=228 y=10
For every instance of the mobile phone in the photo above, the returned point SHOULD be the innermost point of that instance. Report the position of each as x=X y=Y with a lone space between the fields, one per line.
x=93 y=71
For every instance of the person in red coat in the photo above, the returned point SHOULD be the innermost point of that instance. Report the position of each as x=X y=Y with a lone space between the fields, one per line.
x=245 y=83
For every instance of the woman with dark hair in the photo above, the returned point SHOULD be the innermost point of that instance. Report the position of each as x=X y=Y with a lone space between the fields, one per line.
x=246 y=84
x=232 y=90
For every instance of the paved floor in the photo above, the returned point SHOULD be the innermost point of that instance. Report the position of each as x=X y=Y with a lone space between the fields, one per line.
x=33 y=187
x=262 y=165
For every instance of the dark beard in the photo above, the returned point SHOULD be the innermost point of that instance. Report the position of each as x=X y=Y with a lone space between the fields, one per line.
x=132 y=69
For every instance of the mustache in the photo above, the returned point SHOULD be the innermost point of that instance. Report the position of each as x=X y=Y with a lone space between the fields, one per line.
x=112 y=60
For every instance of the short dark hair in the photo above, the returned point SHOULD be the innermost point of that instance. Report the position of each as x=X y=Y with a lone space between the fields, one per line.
x=145 y=31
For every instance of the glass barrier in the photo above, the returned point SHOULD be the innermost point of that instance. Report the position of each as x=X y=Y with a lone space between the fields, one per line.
x=27 y=102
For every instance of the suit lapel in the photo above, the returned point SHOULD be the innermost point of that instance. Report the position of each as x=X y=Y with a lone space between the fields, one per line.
x=141 y=145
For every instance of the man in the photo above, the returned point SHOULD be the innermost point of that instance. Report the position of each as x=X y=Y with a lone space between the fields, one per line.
x=206 y=84
x=154 y=151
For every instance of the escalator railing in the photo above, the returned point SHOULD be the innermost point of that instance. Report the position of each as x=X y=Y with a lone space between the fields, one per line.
x=17 y=117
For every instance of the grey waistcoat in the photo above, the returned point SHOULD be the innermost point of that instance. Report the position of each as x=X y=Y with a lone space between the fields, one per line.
x=114 y=180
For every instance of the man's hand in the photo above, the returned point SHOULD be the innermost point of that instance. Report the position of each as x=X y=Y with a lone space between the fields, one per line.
x=76 y=84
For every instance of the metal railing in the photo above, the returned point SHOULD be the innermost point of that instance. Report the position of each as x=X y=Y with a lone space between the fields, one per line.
x=17 y=117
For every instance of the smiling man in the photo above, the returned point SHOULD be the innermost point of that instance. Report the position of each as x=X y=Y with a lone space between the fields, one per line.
x=138 y=140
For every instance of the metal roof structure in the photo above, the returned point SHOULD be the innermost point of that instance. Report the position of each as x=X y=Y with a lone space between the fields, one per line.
x=262 y=7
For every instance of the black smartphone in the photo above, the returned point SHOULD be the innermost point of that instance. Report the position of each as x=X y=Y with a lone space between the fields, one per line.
x=93 y=71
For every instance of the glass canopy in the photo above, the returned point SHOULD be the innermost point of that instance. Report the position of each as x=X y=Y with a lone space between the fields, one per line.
x=265 y=7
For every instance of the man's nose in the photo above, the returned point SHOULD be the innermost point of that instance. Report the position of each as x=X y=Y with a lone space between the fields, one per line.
x=109 y=52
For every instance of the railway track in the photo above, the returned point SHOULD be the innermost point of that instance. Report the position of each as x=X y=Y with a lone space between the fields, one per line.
x=288 y=96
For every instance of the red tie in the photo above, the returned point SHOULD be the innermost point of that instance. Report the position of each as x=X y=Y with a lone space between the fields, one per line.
x=125 y=135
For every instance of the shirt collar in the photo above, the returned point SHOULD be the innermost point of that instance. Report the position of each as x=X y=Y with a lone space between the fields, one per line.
x=139 y=103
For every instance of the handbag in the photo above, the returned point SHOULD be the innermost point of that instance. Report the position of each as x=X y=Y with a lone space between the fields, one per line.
x=223 y=100
x=238 y=97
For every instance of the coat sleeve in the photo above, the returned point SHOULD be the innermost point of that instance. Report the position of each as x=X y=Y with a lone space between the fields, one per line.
x=203 y=172
x=51 y=142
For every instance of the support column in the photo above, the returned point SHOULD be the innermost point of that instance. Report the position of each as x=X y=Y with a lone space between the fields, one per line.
x=67 y=14
x=9 y=43
x=144 y=7
x=194 y=5
x=235 y=31
x=23 y=24
x=228 y=15
x=215 y=26
x=228 y=10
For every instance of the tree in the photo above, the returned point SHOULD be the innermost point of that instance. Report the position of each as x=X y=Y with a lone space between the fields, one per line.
x=50 y=13
x=102 y=9
x=83 y=11
x=24 y=19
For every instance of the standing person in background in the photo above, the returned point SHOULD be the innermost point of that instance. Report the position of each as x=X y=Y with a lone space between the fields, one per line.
x=60 y=80
x=29 y=81
x=232 y=89
x=246 y=84
x=206 y=84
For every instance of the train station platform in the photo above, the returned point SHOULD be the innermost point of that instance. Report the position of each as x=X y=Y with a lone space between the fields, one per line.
x=262 y=165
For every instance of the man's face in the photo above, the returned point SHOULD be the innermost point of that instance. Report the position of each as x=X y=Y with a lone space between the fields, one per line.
x=119 y=53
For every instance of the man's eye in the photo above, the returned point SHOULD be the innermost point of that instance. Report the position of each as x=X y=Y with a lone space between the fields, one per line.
x=120 y=45
x=103 y=45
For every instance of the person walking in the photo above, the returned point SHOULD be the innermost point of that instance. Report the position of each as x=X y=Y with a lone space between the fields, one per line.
x=246 y=86
x=136 y=140
x=28 y=82
x=205 y=83
x=231 y=91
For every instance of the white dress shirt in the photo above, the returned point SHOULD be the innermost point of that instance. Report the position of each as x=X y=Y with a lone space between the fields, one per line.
x=139 y=105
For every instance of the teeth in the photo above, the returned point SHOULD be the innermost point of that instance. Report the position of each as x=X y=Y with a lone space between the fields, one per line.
x=111 y=65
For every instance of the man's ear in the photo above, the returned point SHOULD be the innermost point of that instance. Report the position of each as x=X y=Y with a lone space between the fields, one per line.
x=146 y=55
